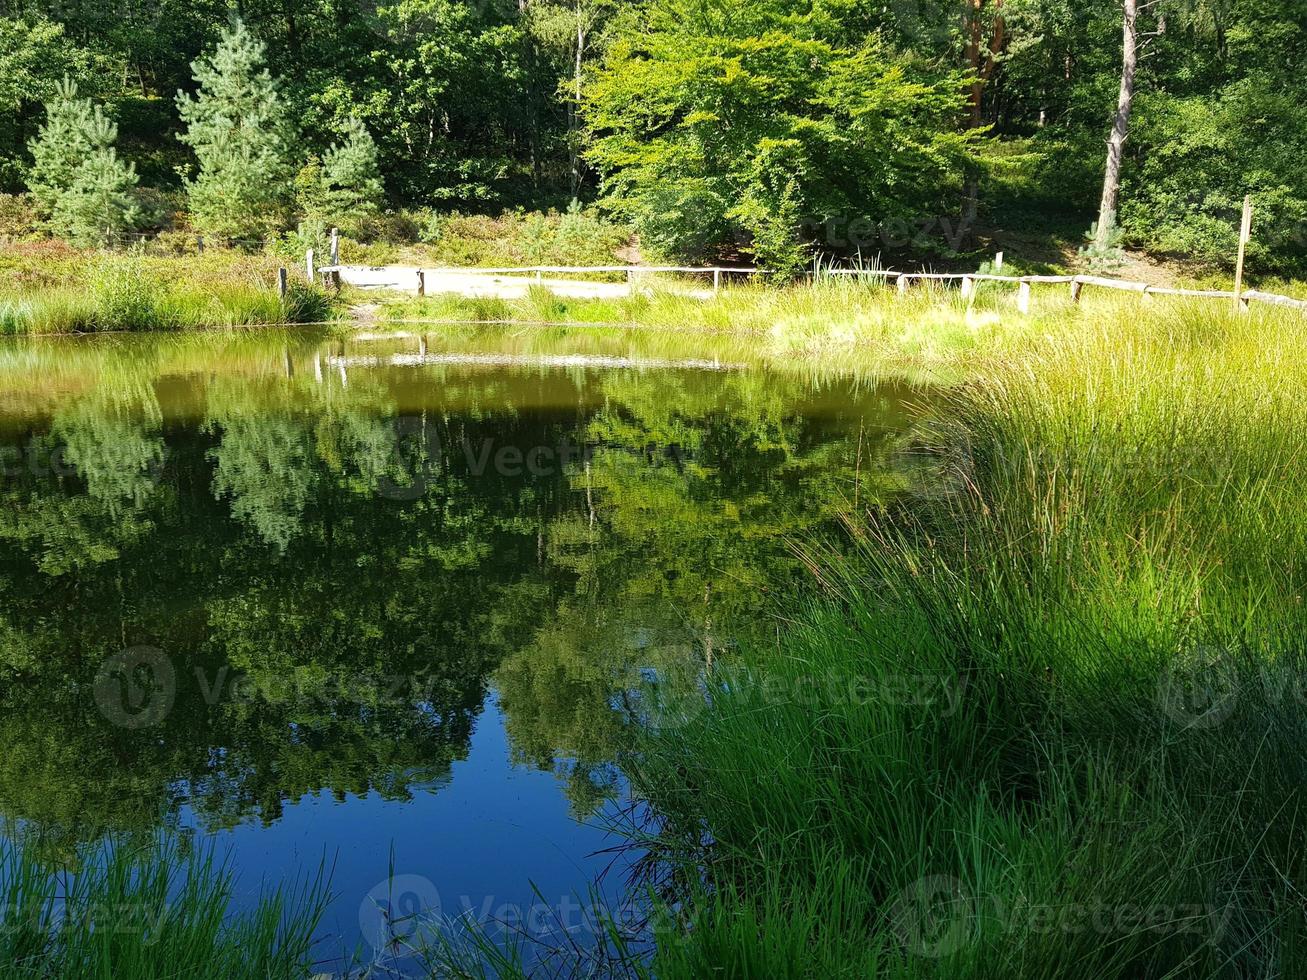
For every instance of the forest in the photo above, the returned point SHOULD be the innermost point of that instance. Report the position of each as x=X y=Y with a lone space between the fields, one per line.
x=777 y=131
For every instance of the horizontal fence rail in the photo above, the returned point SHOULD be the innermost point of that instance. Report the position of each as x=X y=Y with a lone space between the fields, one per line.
x=1077 y=283
x=410 y=277
x=471 y=281
x=520 y=269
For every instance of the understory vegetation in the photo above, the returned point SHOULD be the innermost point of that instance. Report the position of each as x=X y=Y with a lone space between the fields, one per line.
x=1047 y=722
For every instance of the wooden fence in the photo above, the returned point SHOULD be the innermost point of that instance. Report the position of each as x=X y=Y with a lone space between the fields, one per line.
x=1076 y=283
x=401 y=276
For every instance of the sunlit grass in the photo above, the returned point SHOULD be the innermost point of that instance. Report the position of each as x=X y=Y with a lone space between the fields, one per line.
x=931 y=333
x=1048 y=722
x=102 y=293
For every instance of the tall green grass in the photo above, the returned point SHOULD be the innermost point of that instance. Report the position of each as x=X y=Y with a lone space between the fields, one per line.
x=1048 y=721
x=829 y=320
x=128 y=294
x=133 y=910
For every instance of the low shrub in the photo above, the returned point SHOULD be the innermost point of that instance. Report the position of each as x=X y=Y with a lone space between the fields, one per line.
x=18 y=217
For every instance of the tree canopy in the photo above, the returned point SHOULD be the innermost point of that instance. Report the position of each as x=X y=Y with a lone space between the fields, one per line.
x=766 y=128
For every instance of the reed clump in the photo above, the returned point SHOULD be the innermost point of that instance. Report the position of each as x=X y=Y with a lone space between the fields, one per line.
x=1047 y=721
x=89 y=293
x=147 y=909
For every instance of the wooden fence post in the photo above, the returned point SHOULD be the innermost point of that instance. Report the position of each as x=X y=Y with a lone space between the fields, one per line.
x=1023 y=298
x=422 y=283
x=716 y=281
x=1076 y=286
x=968 y=287
x=1245 y=234
x=281 y=282
x=335 y=246
x=998 y=261
x=903 y=285
x=308 y=264
x=199 y=244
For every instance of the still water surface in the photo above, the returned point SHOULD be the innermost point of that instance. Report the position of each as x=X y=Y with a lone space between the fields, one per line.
x=393 y=603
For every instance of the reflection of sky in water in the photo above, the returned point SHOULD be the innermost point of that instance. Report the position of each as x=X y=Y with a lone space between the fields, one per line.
x=250 y=514
x=491 y=832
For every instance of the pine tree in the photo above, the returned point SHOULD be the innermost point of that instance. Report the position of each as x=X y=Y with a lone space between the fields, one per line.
x=61 y=145
x=80 y=187
x=242 y=139
x=353 y=174
x=344 y=187
x=99 y=204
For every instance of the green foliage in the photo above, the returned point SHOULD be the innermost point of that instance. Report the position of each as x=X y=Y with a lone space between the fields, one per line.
x=451 y=97
x=575 y=237
x=775 y=127
x=99 y=204
x=1102 y=251
x=35 y=56
x=343 y=189
x=351 y=172
x=1185 y=195
x=66 y=141
x=242 y=138
x=735 y=124
x=77 y=181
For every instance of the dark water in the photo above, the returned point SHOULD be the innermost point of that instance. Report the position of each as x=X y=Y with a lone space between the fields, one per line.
x=320 y=600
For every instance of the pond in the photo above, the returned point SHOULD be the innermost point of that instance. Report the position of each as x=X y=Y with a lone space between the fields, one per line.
x=395 y=603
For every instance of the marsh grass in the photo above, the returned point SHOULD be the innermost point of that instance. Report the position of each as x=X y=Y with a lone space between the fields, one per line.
x=832 y=320
x=147 y=910
x=90 y=293
x=1048 y=721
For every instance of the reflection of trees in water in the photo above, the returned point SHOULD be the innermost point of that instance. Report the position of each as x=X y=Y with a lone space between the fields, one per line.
x=683 y=539
x=326 y=637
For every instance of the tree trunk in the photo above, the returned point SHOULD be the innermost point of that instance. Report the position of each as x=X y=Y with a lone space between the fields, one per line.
x=532 y=105
x=982 y=66
x=573 y=121
x=973 y=60
x=1120 y=124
